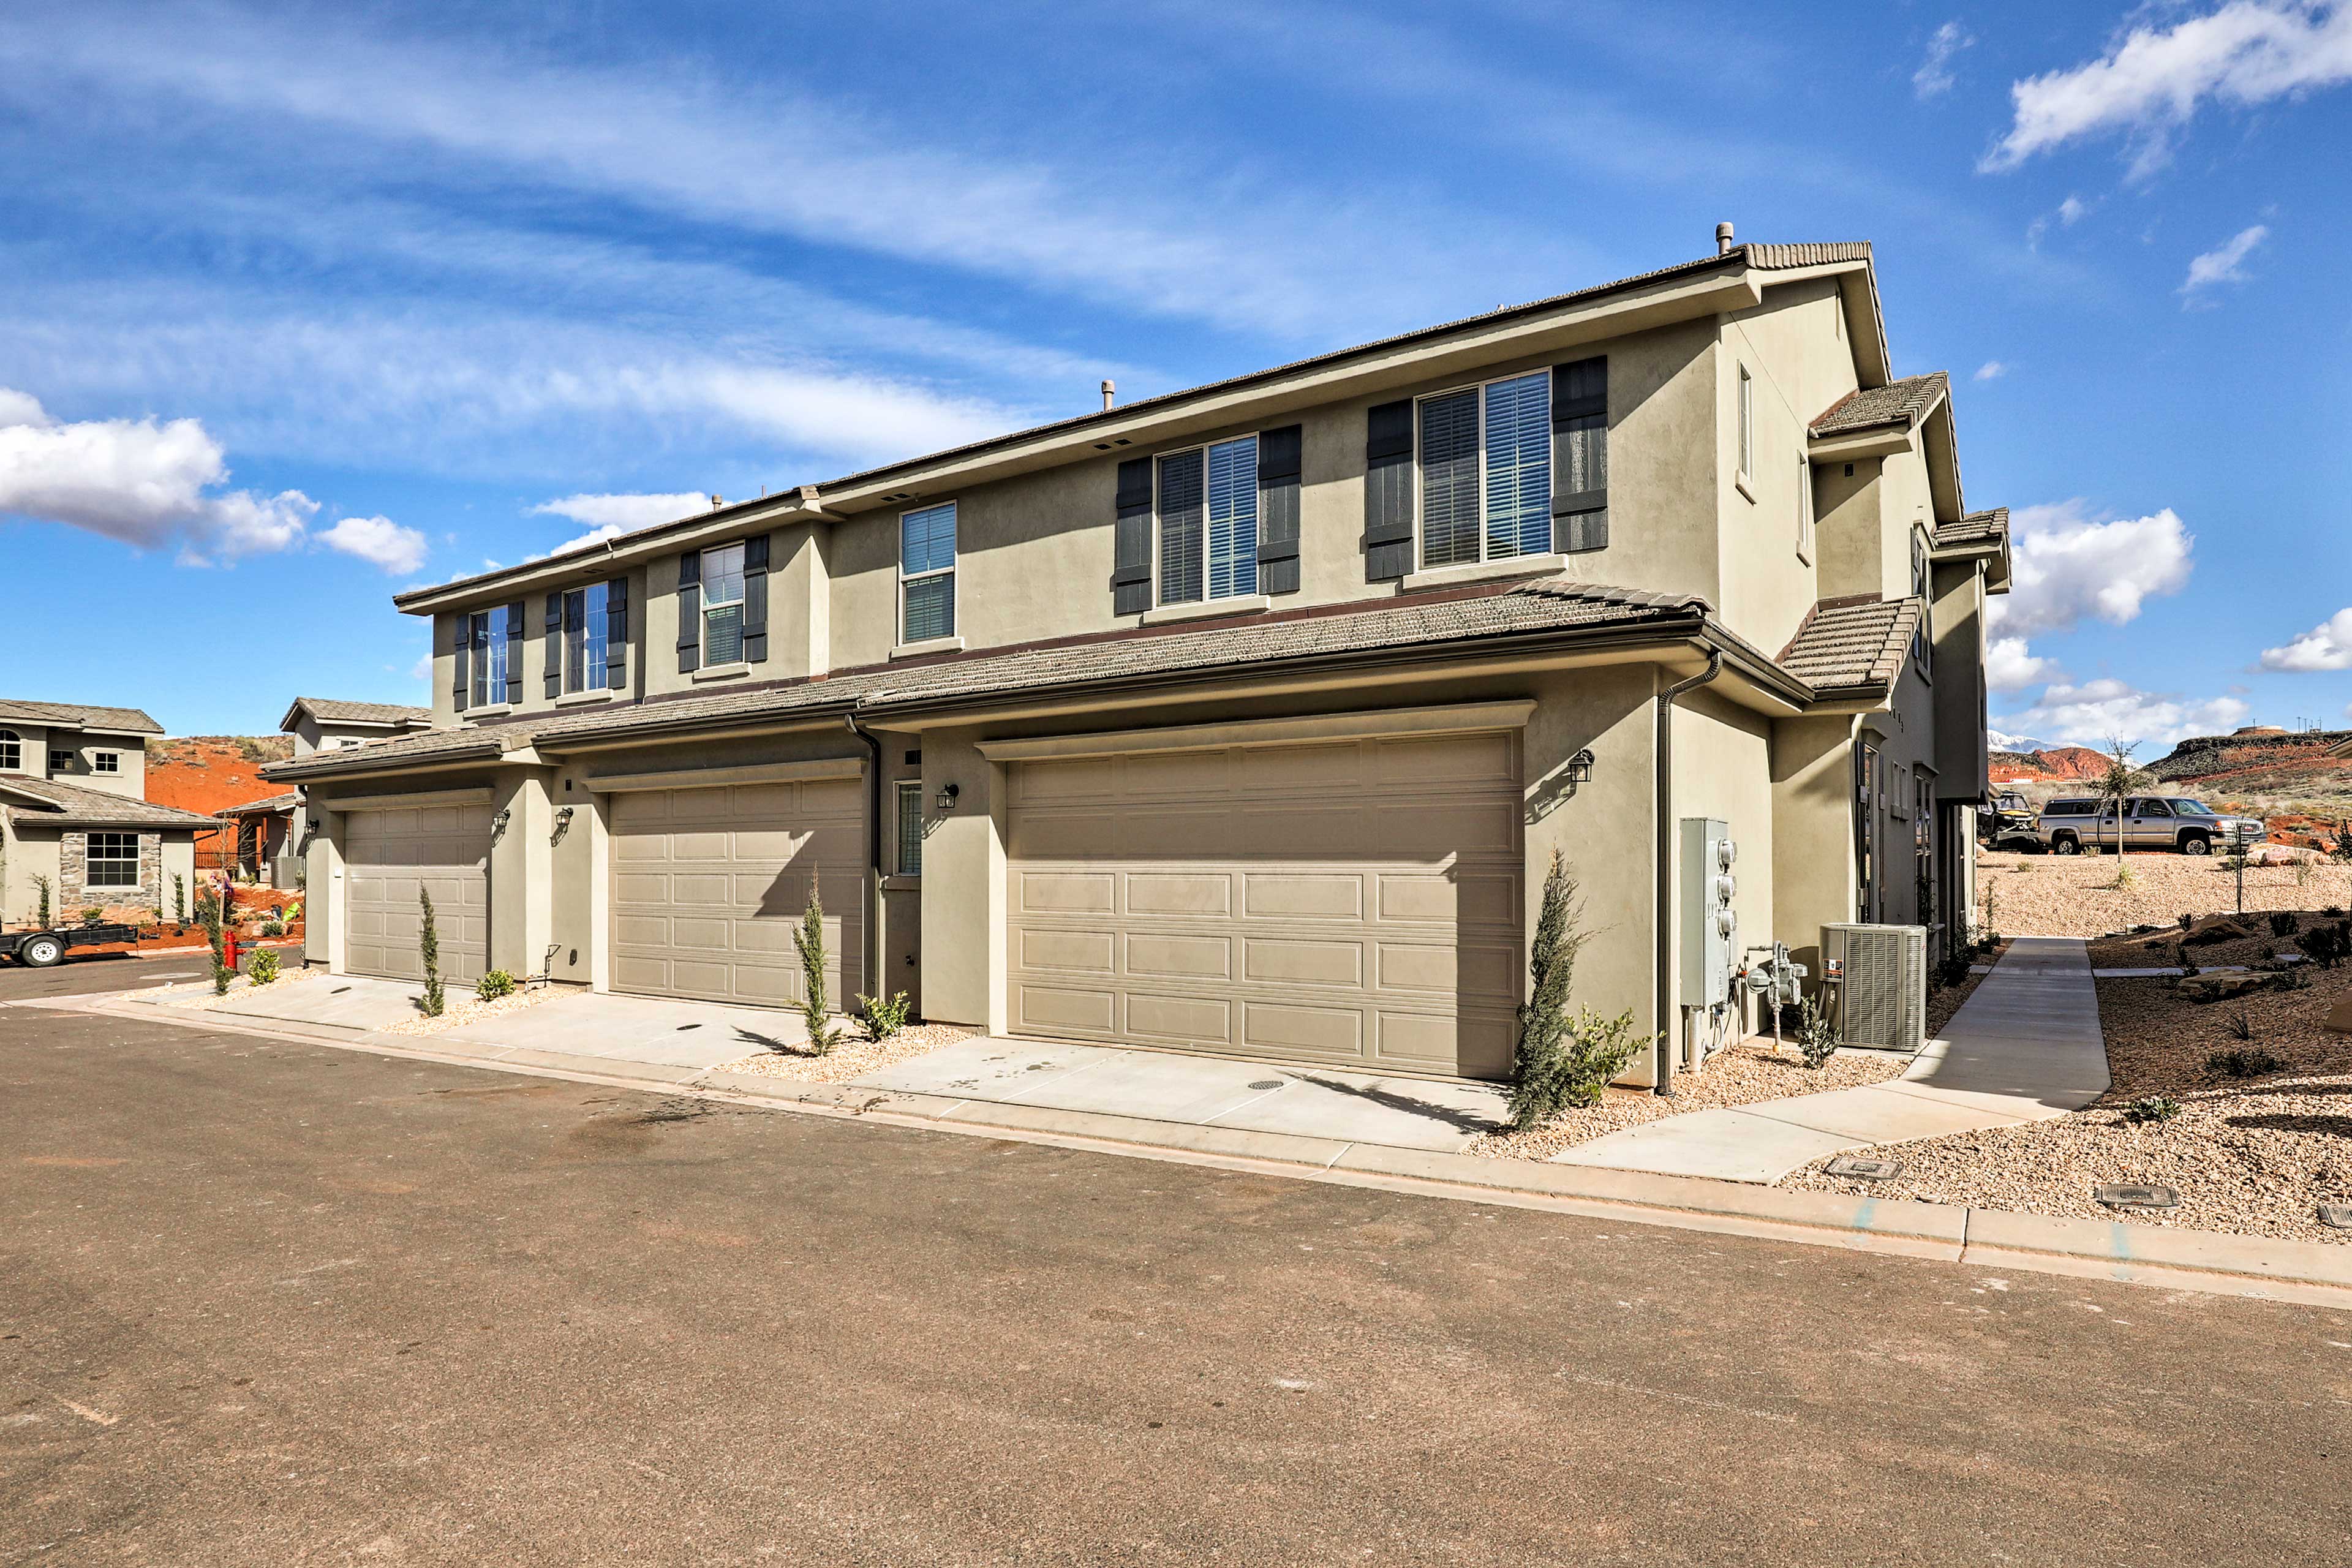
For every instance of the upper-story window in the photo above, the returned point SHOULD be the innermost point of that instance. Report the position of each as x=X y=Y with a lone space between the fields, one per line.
x=1747 y=422
x=927 y=560
x=1208 y=522
x=1920 y=634
x=106 y=761
x=1804 y=508
x=723 y=604
x=1486 y=471
x=59 y=762
x=485 y=635
x=910 y=827
x=12 y=750
x=587 y=617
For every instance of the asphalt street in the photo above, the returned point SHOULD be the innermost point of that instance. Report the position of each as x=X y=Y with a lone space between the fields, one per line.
x=264 y=1303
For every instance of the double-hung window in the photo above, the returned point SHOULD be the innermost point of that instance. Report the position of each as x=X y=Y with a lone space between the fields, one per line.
x=60 y=762
x=927 y=562
x=486 y=630
x=113 y=860
x=12 y=750
x=1920 y=632
x=723 y=604
x=910 y=827
x=1486 y=471
x=586 y=624
x=106 y=761
x=1208 y=522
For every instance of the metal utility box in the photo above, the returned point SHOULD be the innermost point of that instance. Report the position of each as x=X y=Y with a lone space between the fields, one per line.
x=1710 y=928
x=1882 y=984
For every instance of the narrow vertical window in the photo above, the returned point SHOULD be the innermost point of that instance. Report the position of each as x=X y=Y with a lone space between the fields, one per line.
x=723 y=604
x=489 y=648
x=1804 y=509
x=587 y=633
x=927 y=560
x=1518 y=467
x=910 y=827
x=1232 y=518
x=1919 y=633
x=1747 y=422
x=1182 y=502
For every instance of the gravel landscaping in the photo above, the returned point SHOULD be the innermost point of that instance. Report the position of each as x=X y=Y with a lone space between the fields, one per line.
x=461 y=1008
x=2255 y=1155
x=1743 y=1075
x=858 y=1055
x=198 y=994
x=2076 y=895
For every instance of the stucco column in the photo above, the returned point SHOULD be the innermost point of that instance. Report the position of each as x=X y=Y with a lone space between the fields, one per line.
x=322 y=908
x=963 y=886
x=522 y=885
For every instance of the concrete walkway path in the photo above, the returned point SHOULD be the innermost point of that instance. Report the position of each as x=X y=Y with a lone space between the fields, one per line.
x=2025 y=1047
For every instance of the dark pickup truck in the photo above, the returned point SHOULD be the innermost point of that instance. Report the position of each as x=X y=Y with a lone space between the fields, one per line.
x=40 y=949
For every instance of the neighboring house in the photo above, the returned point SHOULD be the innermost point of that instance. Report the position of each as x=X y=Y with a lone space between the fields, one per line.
x=262 y=848
x=1247 y=719
x=317 y=724
x=73 y=811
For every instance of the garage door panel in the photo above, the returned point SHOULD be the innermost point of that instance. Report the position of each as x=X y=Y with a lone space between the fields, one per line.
x=1346 y=903
x=389 y=858
x=709 y=886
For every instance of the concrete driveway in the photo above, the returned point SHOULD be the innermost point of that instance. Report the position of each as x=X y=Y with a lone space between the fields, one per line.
x=1158 y=1086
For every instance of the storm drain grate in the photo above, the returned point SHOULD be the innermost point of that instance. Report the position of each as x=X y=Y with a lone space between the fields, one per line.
x=2128 y=1196
x=2339 y=1216
x=1863 y=1167
x=1267 y=1083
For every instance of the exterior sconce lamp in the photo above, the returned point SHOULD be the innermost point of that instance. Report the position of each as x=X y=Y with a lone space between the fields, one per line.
x=562 y=823
x=947 y=793
x=498 y=823
x=1580 y=767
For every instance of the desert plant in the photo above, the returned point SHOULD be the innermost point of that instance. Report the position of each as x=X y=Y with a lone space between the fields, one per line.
x=428 y=949
x=2302 y=873
x=2342 y=847
x=1541 y=1046
x=2125 y=876
x=2333 y=911
x=41 y=902
x=273 y=928
x=2242 y=1063
x=2187 y=920
x=1816 y=1040
x=2325 y=945
x=2241 y=1027
x=263 y=970
x=2284 y=922
x=884 y=1016
x=215 y=936
x=179 y=898
x=494 y=984
x=93 y=916
x=2152 y=1108
x=2297 y=979
x=1952 y=969
x=823 y=1035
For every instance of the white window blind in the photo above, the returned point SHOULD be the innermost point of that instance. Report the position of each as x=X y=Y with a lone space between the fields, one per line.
x=1518 y=465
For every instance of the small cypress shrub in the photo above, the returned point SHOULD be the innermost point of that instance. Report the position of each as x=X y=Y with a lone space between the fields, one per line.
x=1561 y=1062
x=428 y=947
x=263 y=970
x=884 y=1016
x=810 y=939
x=41 y=905
x=221 y=972
x=179 y=898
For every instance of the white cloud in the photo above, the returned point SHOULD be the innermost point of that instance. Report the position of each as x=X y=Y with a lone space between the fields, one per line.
x=2068 y=567
x=422 y=670
x=2153 y=82
x=2098 y=710
x=2071 y=211
x=2327 y=645
x=144 y=483
x=1934 y=78
x=1991 y=370
x=2010 y=667
x=378 y=541
x=610 y=516
x=2222 y=264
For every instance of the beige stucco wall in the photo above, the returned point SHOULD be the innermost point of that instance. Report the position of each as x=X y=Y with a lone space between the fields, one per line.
x=1723 y=768
x=1962 y=764
x=534 y=697
x=32 y=851
x=1812 y=832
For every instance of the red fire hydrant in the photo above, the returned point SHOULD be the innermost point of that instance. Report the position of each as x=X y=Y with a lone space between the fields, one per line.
x=229 y=950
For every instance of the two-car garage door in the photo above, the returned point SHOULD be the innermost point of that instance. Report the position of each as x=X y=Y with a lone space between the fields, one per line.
x=1352 y=903
x=391 y=856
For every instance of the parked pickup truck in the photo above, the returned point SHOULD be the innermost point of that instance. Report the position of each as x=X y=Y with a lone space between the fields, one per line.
x=2070 y=823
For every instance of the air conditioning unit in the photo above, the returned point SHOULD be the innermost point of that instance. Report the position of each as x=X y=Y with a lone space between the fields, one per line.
x=1882 y=984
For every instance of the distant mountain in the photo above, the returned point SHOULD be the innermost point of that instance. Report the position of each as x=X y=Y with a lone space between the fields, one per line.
x=2021 y=745
x=2048 y=763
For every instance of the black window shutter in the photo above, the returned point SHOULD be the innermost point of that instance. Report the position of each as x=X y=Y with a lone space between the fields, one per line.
x=1579 y=456
x=1388 y=491
x=617 y=633
x=1130 y=574
x=755 y=599
x=1183 y=519
x=463 y=644
x=514 y=651
x=555 y=644
x=1278 y=453
x=689 y=612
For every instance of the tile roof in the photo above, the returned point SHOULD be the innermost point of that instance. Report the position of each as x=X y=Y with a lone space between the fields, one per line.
x=1989 y=527
x=1757 y=257
x=1897 y=403
x=71 y=805
x=286 y=802
x=130 y=720
x=331 y=711
x=1434 y=621
x=1851 y=645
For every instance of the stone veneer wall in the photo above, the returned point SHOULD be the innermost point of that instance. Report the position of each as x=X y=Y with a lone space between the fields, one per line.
x=124 y=903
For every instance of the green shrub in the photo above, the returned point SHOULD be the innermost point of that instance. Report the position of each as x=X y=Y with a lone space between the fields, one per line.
x=179 y=898
x=1952 y=969
x=41 y=905
x=263 y=969
x=2240 y=1062
x=1816 y=1037
x=93 y=916
x=884 y=1017
x=2151 y=1107
x=273 y=928
x=291 y=913
x=1574 y=1066
x=2283 y=923
x=498 y=983
x=822 y=1035
x=428 y=947
x=2327 y=945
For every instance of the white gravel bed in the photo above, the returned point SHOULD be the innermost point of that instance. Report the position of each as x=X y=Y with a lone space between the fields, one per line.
x=2076 y=895
x=858 y=1055
x=461 y=1007
x=198 y=994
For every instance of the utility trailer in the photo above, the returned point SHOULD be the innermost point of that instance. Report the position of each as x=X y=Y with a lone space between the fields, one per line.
x=40 y=949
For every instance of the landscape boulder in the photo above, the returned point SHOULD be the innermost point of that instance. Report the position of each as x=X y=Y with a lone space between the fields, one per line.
x=2219 y=986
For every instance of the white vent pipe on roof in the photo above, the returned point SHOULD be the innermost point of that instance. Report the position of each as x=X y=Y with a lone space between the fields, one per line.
x=1723 y=239
x=1110 y=392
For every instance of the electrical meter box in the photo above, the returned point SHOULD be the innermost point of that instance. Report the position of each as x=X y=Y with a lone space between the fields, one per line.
x=1710 y=926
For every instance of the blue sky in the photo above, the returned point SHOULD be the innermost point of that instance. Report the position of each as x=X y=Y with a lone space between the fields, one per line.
x=301 y=305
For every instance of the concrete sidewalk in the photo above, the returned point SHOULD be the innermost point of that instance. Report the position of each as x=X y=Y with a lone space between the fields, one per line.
x=2026 y=1046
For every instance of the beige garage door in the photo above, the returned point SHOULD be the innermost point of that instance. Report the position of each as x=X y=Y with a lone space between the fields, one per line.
x=388 y=857
x=1352 y=903
x=709 y=886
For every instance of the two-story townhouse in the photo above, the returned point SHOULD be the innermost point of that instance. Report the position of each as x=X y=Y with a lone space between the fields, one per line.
x=74 y=814
x=1245 y=719
x=270 y=832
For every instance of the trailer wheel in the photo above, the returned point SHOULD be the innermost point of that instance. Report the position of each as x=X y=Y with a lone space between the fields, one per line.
x=41 y=952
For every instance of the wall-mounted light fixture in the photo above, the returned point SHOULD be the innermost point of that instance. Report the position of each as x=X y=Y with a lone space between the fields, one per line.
x=1580 y=767
x=947 y=793
x=562 y=823
x=498 y=823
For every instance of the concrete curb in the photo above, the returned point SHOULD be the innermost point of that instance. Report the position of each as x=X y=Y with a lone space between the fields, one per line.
x=2307 y=1273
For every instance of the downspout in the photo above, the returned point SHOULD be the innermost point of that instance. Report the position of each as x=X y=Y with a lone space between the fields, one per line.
x=1665 y=811
x=870 y=961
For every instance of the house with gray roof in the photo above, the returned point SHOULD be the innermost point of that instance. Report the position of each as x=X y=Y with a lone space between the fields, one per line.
x=269 y=832
x=1248 y=719
x=74 y=816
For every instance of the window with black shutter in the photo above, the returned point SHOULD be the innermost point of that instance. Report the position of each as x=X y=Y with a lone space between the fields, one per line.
x=1388 y=491
x=1131 y=571
x=1580 y=438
